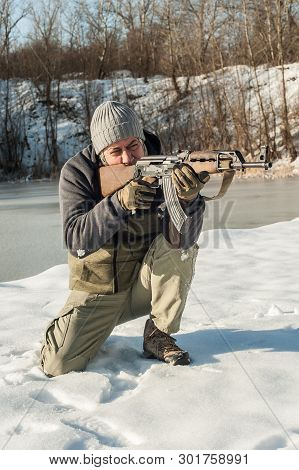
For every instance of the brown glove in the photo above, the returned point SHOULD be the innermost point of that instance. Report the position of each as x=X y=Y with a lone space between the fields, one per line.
x=187 y=183
x=137 y=195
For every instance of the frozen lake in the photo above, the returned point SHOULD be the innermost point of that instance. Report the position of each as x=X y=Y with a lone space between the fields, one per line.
x=31 y=235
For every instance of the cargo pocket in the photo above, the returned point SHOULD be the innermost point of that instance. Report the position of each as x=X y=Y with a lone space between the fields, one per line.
x=99 y=274
x=57 y=330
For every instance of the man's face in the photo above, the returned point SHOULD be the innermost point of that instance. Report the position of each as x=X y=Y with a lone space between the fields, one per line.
x=126 y=151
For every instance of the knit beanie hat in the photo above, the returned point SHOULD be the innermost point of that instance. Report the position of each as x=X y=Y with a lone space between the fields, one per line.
x=113 y=121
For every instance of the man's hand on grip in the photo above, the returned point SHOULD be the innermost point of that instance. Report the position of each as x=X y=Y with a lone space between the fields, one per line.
x=187 y=183
x=137 y=195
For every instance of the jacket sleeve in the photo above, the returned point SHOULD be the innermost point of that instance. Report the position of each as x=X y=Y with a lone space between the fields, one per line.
x=189 y=236
x=88 y=221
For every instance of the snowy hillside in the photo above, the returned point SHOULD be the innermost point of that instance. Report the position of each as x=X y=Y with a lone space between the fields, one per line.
x=241 y=326
x=156 y=102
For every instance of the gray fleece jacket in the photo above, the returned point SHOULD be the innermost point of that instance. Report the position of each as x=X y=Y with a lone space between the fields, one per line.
x=90 y=221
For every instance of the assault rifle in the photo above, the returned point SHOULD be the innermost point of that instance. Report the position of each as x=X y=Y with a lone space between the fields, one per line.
x=225 y=162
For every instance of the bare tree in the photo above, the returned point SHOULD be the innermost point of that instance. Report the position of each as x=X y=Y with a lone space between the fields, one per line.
x=11 y=138
x=141 y=39
x=100 y=33
x=282 y=8
x=173 y=59
x=205 y=21
x=46 y=44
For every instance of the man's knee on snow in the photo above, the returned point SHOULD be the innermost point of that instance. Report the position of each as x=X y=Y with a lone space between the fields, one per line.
x=54 y=364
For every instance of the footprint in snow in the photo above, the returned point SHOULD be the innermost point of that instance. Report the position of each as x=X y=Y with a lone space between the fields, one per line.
x=99 y=430
x=123 y=367
x=47 y=398
x=121 y=385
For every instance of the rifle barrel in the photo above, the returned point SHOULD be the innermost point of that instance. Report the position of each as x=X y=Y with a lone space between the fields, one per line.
x=243 y=166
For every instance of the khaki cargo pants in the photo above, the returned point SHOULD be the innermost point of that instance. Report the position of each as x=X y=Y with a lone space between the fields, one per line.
x=86 y=320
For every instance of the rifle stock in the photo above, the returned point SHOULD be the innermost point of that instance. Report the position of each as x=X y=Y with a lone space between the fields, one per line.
x=114 y=177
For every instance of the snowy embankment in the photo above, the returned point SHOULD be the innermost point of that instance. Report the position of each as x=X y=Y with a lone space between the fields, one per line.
x=241 y=326
x=239 y=89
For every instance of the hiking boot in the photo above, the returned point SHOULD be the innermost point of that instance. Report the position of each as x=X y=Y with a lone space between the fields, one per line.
x=160 y=345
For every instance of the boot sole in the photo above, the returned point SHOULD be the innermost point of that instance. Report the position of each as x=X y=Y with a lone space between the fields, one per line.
x=181 y=360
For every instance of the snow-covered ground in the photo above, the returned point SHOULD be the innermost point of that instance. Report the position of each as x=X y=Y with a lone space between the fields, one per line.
x=241 y=326
x=240 y=88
